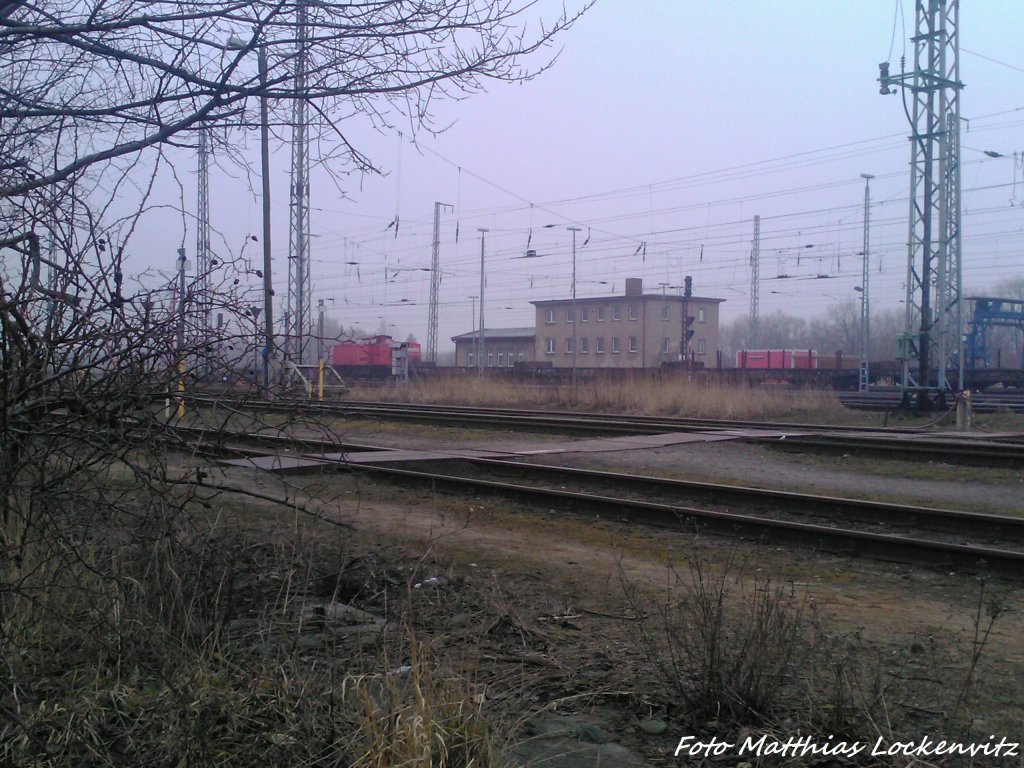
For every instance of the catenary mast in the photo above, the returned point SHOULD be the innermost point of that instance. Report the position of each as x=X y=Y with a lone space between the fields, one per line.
x=203 y=232
x=930 y=345
x=298 y=316
x=435 y=284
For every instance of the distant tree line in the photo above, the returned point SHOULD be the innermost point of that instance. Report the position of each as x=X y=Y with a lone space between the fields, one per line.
x=839 y=330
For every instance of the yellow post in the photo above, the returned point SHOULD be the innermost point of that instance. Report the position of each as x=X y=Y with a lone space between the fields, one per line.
x=320 y=379
x=181 y=389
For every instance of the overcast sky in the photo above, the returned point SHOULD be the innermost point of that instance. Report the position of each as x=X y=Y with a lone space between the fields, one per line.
x=662 y=130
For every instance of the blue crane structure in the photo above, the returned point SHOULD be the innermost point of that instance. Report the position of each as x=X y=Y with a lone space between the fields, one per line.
x=986 y=312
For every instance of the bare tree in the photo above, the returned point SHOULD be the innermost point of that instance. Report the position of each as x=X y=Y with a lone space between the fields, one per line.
x=774 y=331
x=108 y=559
x=838 y=330
x=886 y=326
x=85 y=81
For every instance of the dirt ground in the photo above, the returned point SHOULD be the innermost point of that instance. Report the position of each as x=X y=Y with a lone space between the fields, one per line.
x=568 y=667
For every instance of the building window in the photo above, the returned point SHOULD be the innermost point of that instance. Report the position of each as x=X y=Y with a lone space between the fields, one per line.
x=490 y=359
x=584 y=346
x=551 y=317
x=666 y=312
x=600 y=314
x=599 y=345
x=615 y=345
x=584 y=315
x=549 y=347
x=522 y=357
x=632 y=311
x=616 y=312
x=700 y=346
x=700 y=315
x=632 y=344
x=568 y=346
x=469 y=359
x=568 y=315
x=511 y=357
x=664 y=346
x=501 y=359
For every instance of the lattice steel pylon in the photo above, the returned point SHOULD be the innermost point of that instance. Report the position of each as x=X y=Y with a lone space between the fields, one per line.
x=435 y=285
x=931 y=341
x=203 y=231
x=298 y=315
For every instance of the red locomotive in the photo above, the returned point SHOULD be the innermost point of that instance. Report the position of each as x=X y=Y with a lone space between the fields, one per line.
x=370 y=358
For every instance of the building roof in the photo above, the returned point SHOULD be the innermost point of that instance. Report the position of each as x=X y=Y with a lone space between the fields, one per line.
x=622 y=297
x=498 y=333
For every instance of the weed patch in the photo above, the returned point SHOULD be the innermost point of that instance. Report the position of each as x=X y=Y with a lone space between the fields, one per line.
x=664 y=396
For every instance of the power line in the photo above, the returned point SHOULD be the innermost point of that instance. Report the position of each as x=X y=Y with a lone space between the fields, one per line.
x=994 y=61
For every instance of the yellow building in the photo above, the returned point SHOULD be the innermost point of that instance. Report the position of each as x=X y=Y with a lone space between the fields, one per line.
x=633 y=330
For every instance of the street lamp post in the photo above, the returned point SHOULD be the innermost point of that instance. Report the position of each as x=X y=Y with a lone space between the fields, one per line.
x=664 y=323
x=575 y=318
x=473 y=318
x=865 y=304
x=480 y=345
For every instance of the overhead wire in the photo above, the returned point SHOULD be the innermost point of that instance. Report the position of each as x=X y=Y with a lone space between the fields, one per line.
x=726 y=245
x=994 y=61
x=718 y=240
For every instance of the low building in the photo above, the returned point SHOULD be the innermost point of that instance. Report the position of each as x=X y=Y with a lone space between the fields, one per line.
x=634 y=330
x=503 y=347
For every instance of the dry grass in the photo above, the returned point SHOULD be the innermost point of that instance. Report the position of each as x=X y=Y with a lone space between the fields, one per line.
x=184 y=646
x=668 y=396
x=738 y=651
x=170 y=639
x=416 y=715
x=727 y=648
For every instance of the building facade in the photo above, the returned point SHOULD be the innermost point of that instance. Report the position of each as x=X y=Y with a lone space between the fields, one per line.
x=503 y=347
x=634 y=330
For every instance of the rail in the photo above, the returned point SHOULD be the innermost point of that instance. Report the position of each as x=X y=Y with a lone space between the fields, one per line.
x=918 y=544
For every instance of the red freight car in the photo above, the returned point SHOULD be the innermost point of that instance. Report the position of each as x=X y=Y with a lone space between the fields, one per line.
x=775 y=359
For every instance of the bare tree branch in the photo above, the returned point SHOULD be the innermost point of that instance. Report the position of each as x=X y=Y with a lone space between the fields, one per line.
x=86 y=81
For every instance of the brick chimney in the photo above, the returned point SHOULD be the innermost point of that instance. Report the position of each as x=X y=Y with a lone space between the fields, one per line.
x=634 y=286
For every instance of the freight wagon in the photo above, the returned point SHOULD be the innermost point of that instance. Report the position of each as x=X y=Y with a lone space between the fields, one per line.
x=774 y=359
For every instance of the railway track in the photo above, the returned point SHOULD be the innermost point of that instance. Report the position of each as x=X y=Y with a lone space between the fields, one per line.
x=1007 y=401
x=585 y=421
x=879 y=442
x=933 y=537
